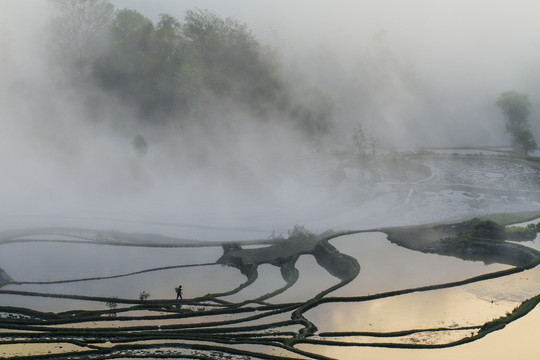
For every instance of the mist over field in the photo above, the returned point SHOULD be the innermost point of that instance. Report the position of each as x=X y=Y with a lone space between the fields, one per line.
x=411 y=74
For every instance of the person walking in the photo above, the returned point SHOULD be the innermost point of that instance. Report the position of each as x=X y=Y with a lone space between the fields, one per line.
x=179 y=292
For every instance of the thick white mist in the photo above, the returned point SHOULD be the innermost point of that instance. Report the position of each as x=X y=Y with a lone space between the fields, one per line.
x=432 y=79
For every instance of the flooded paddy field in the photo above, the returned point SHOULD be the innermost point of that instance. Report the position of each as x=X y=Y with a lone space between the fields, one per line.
x=435 y=289
x=354 y=312
x=269 y=180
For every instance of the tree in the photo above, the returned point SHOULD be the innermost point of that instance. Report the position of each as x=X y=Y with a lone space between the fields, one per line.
x=78 y=26
x=230 y=53
x=175 y=67
x=170 y=70
x=143 y=296
x=313 y=111
x=526 y=140
x=360 y=141
x=154 y=67
x=140 y=146
x=373 y=143
x=130 y=39
x=516 y=109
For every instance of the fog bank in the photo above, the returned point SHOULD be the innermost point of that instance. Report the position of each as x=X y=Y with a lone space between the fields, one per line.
x=414 y=74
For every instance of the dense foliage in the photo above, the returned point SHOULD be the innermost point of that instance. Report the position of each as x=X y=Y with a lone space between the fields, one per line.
x=516 y=109
x=172 y=69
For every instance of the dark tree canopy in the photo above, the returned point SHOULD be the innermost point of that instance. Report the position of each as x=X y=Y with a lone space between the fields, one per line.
x=526 y=140
x=172 y=68
x=147 y=65
x=516 y=108
x=234 y=63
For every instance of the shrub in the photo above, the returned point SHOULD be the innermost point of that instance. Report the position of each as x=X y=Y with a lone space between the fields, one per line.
x=299 y=232
x=143 y=296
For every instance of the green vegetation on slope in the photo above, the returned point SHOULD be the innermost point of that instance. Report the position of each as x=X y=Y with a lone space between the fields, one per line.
x=176 y=70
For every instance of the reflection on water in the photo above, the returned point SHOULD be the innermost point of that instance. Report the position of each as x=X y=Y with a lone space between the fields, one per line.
x=448 y=308
x=518 y=340
x=514 y=288
x=197 y=282
x=269 y=279
x=49 y=261
x=387 y=266
x=437 y=316
x=53 y=262
x=312 y=280
x=460 y=307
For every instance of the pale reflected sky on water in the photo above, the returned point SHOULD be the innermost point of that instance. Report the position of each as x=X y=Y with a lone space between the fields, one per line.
x=518 y=340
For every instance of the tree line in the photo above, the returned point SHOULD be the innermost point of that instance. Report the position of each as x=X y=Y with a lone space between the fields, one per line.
x=171 y=68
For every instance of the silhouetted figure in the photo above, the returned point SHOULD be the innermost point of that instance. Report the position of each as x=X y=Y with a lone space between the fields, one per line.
x=179 y=292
